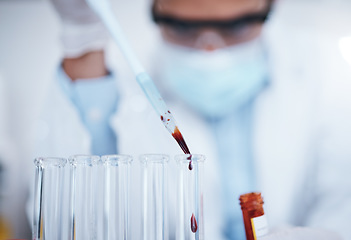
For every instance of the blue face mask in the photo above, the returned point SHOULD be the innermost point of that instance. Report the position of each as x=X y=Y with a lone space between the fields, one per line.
x=218 y=82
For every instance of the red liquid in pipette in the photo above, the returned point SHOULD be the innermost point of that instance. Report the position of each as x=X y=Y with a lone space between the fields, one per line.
x=181 y=142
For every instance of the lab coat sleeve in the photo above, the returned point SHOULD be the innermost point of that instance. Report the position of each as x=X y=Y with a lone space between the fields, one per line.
x=60 y=131
x=331 y=205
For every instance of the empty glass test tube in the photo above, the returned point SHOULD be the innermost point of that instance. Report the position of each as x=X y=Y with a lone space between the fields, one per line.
x=48 y=194
x=116 y=195
x=154 y=202
x=190 y=218
x=84 y=197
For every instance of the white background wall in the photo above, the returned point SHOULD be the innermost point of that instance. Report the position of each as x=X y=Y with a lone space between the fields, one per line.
x=30 y=53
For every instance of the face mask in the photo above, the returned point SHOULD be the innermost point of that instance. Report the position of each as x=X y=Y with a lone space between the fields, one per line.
x=218 y=82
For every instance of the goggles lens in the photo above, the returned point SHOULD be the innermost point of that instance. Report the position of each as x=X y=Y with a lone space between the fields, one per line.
x=185 y=32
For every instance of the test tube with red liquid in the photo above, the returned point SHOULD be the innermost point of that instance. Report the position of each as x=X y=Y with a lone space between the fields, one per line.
x=190 y=218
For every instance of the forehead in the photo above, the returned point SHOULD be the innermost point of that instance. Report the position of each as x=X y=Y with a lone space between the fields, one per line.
x=209 y=9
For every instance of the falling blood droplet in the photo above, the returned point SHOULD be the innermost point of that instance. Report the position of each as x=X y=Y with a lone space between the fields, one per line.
x=193 y=223
x=161 y=118
x=190 y=162
x=190 y=165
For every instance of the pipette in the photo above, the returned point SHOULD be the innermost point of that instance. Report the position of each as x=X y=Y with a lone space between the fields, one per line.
x=103 y=10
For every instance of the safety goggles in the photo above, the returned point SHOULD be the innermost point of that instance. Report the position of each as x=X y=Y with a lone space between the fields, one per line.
x=232 y=31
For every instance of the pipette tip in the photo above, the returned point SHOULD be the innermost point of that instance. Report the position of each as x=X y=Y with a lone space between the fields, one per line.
x=180 y=140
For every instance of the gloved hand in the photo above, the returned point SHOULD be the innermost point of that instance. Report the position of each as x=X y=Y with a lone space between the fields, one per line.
x=82 y=30
x=299 y=233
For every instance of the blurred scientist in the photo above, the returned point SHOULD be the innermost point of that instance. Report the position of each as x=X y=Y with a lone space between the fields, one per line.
x=258 y=108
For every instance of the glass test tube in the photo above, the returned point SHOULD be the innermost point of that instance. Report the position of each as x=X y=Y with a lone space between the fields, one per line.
x=154 y=209
x=84 y=197
x=47 y=220
x=190 y=218
x=116 y=194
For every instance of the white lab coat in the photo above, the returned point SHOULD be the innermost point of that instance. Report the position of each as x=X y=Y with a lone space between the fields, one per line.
x=301 y=132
